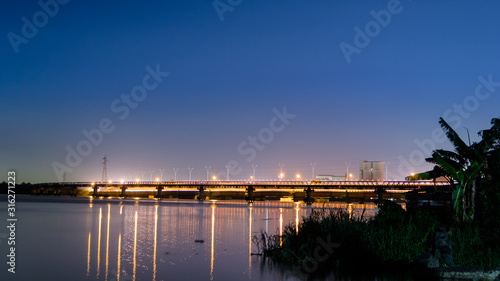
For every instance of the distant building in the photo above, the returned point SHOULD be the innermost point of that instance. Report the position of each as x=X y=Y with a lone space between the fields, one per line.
x=371 y=170
x=330 y=178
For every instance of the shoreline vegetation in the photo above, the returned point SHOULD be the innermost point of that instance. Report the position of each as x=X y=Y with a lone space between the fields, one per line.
x=395 y=240
x=457 y=241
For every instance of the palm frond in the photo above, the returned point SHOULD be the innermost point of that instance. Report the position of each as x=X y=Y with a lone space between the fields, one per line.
x=454 y=138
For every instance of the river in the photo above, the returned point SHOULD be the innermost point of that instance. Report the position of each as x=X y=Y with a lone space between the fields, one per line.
x=62 y=238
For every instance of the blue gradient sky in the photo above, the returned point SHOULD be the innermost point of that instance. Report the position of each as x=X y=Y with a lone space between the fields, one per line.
x=226 y=77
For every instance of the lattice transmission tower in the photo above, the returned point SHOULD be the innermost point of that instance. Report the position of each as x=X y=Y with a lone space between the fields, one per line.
x=104 y=169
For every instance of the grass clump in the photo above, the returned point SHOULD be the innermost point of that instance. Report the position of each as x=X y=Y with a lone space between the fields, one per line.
x=396 y=235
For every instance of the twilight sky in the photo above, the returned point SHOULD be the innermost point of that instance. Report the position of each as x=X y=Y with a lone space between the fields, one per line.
x=171 y=84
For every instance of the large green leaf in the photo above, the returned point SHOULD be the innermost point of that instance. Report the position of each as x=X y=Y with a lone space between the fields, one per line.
x=460 y=146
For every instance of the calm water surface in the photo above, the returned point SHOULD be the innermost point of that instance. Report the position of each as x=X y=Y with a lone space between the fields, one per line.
x=145 y=239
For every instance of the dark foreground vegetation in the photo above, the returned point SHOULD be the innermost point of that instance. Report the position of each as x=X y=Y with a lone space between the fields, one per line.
x=394 y=240
x=334 y=240
x=20 y=188
x=352 y=241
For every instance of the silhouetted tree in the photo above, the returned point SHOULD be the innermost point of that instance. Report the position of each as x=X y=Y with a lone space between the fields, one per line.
x=466 y=165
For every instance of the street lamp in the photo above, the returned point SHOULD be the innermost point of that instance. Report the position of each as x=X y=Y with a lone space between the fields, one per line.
x=347 y=169
x=175 y=173
x=214 y=178
x=297 y=176
x=208 y=170
x=313 y=166
x=190 y=170
x=228 y=167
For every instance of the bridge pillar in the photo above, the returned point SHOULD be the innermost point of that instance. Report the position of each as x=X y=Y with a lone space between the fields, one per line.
x=74 y=191
x=94 y=194
x=347 y=199
x=159 y=190
x=249 y=194
x=308 y=199
x=201 y=193
x=123 y=188
x=380 y=195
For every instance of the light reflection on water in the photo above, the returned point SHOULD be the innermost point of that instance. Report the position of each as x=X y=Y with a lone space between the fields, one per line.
x=155 y=240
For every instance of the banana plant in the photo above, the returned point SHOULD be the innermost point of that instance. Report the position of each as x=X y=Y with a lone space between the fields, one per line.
x=463 y=167
x=463 y=180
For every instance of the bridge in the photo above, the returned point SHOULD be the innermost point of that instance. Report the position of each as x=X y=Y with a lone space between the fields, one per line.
x=295 y=190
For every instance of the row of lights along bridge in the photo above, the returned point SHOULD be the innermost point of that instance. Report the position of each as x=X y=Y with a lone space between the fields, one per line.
x=139 y=177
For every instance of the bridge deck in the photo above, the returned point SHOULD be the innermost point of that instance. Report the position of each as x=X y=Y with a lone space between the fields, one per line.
x=404 y=185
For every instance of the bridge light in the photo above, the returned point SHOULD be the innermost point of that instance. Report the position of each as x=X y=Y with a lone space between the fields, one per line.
x=137 y=180
x=122 y=181
x=297 y=176
x=157 y=179
x=214 y=178
x=92 y=183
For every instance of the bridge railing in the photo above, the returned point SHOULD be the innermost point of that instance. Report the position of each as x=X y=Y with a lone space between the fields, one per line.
x=254 y=182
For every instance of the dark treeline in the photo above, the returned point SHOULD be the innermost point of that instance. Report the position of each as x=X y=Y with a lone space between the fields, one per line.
x=20 y=188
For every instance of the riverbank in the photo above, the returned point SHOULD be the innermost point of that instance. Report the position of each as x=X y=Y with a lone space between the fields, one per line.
x=394 y=240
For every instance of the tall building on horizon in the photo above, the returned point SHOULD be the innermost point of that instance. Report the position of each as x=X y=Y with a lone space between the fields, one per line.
x=371 y=170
